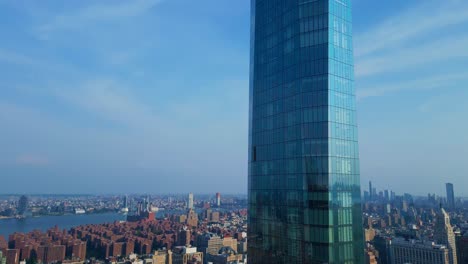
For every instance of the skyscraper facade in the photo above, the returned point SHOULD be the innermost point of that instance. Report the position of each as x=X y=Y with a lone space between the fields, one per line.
x=22 y=205
x=190 y=201
x=403 y=252
x=304 y=189
x=2 y=258
x=450 y=195
x=218 y=199
x=125 y=201
x=443 y=234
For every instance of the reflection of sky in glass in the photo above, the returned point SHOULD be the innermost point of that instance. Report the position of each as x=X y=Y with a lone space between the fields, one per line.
x=304 y=170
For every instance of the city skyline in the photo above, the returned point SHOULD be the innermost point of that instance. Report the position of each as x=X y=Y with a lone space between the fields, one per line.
x=83 y=102
x=396 y=227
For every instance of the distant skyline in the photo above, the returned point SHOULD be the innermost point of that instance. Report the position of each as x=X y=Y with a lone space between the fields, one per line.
x=143 y=96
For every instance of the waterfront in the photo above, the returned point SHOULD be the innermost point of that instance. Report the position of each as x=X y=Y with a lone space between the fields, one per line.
x=12 y=225
x=43 y=223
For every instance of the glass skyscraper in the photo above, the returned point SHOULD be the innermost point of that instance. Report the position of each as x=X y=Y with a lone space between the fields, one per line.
x=304 y=189
x=450 y=195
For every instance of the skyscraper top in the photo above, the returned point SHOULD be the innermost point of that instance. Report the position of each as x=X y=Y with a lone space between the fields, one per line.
x=190 y=201
x=450 y=196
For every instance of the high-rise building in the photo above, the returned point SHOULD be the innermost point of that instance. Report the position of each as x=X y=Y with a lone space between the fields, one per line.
x=230 y=242
x=209 y=243
x=450 y=195
x=3 y=245
x=190 y=201
x=218 y=199
x=366 y=196
x=388 y=208
x=304 y=187
x=22 y=205
x=125 y=201
x=2 y=258
x=462 y=248
x=226 y=255
x=12 y=256
x=408 y=197
x=382 y=245
x=404 y=206
x=192 y=218
x=125 y=208
x=370 y=190
x=146 y=204
x=184 y=236
x=443 y=234
x=371 y=257
x=214 y=217
x=403 y=252
x=51 y=253
x=162 y=257
x=186 y=255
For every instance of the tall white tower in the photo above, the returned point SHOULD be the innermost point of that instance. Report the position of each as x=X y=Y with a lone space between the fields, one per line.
x=218 y=199
x=190 y=201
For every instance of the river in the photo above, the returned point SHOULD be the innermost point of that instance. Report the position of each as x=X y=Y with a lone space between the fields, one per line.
x=10 y=226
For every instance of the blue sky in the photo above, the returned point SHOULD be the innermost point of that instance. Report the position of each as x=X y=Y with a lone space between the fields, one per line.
x=152 y=96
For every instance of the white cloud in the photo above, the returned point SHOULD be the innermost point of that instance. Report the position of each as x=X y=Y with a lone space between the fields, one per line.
x=111 y=100
x=96 y=13
x=407 y=58
x=38 y=64
x=426 y=38
x=107 y=99
x=15 y=58
x=431 y=82
x=428 y=17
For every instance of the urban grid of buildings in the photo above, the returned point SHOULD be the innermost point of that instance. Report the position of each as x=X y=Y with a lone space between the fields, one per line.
x=203 y=232
x=406 y=229
x=398 y=229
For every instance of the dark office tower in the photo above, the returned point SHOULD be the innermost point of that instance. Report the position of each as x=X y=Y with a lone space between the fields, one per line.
x=22 y=205
x=366 y=196
x=304 y=188
x=370 y=190
x=450 y=195
x=144 y=205
x=125 y=201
